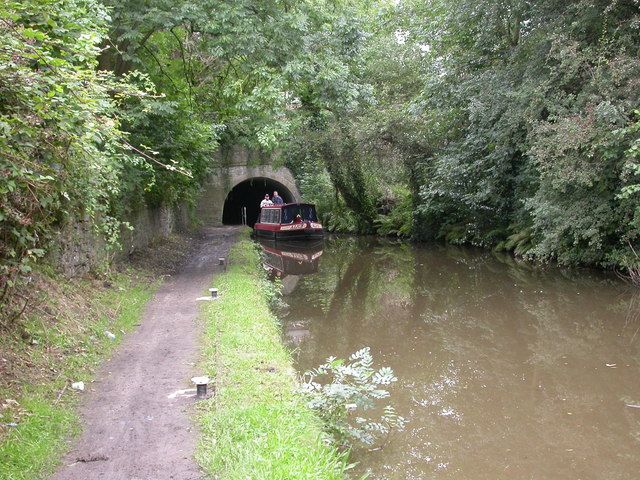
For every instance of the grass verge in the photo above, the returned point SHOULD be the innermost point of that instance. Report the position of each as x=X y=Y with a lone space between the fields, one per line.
x=256 y=426
x=61 y=341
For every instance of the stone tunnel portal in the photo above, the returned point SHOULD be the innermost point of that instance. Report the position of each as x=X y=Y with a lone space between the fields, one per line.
x=249 y=193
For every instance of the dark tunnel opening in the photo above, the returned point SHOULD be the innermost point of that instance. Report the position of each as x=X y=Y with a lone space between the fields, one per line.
x=249 y=194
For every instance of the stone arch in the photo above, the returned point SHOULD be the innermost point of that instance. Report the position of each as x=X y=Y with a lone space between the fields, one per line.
x=210 y=208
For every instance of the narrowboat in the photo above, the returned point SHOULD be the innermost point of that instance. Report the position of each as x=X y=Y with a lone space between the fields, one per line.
x=290 y=221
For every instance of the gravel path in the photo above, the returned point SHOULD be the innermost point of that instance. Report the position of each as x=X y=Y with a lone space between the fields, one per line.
x=136 y=425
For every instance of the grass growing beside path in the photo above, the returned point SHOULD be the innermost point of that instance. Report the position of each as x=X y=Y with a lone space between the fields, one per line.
x=61 y=342
x=256 y=426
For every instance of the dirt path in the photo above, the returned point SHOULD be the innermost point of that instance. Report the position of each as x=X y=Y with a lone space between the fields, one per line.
x=134 y=429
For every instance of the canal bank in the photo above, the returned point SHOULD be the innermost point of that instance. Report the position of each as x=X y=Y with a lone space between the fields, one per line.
x=256 y=426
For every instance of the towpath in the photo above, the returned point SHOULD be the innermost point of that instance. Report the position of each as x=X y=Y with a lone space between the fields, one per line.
x=135 y=426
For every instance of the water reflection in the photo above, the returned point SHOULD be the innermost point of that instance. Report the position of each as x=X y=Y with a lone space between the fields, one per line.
x=288 y=261
x=506 y=370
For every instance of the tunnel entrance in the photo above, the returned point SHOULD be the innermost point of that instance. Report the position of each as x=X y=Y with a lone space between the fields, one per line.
x=249 y=194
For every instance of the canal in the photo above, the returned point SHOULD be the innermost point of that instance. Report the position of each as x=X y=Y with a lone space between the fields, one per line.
x=505 y=370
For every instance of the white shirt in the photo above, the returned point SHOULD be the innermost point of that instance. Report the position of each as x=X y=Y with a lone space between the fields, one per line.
x=265 y=203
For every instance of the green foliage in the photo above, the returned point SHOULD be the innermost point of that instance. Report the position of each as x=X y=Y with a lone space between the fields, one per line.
x=60 y=154
x=110 y=107
x=630 y=135
x=352 y=387
x=519 y=243
x=178 y=140
x=318 y=186
x=539 y=96
x=504 y=120
x=490 y=118
x=398 y=221
x=340 y=219
x=246 y=63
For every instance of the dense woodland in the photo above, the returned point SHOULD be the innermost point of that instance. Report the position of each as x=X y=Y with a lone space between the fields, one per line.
x=509 y=124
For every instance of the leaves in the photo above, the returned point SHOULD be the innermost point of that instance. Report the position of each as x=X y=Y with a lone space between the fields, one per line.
x=60 y=149
x=499 y=119
x=349 y=388
x=108 y=107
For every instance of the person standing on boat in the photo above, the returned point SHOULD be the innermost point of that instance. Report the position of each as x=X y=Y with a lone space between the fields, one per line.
x=266 y=202
x=277 y=199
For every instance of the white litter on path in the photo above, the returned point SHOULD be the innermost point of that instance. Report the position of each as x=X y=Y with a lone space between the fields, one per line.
x=187 y=392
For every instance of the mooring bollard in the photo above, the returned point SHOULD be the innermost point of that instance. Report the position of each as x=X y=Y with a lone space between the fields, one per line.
x=221 y=261
x=214 y=292
x=201 y=386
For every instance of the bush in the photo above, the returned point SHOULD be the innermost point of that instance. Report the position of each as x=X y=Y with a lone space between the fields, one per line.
x=352 y=387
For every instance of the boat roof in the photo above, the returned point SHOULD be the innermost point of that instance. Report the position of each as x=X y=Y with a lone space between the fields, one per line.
x=289 y=205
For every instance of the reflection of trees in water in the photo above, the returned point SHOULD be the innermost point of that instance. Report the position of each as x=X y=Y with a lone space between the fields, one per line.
x=319 y=289
x=631 y=327
x=456 y=288
x=342 y=301
x=525 y=347
x=540 y=344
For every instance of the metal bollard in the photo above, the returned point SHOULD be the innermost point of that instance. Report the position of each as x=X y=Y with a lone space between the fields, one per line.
x=201 y=386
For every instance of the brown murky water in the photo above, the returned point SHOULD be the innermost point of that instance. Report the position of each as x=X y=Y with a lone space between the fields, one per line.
x=505 y=371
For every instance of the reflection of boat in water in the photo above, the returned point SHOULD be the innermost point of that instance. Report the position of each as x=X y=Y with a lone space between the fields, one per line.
x=297 y=335
x=283 y=259
x=288 y=261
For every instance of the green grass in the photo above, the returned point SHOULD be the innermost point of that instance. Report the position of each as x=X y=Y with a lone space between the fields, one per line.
x=257 y=426
x=69 y=344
